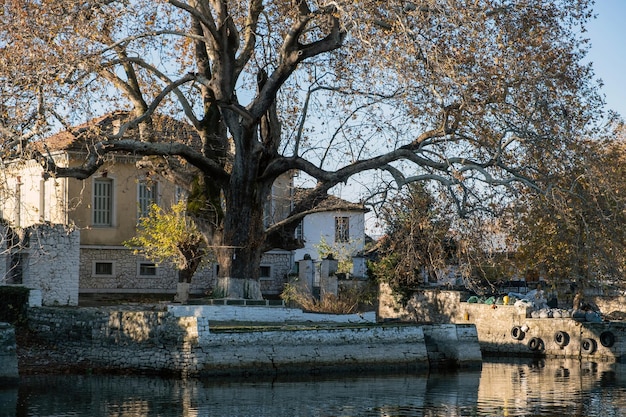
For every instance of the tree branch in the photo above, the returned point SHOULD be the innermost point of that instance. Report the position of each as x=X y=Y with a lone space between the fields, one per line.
x=96 y=153
x=292 y=53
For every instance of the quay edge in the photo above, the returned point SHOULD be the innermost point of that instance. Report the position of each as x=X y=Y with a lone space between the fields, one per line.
x=177 y=343
x=498 y=327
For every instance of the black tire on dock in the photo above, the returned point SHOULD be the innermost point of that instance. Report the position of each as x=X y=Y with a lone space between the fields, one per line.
x=561 y=338
x=607 y=338
x=517 y=333
x=536 y=344
x=588 y=345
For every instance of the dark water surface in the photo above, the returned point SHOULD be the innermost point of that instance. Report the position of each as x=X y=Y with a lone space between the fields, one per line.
x=523 y=388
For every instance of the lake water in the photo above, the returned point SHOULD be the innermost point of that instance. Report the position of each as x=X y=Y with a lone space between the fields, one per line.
x=521 y=388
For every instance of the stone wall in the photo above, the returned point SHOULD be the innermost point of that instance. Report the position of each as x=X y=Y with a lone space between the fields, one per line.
x=280 y=263
x=8 y=357
x=452 y=344
x=494 y=324
x=161 y=342
x=495 y=329
x=266 y=314
x=43 y=257
x=53 y=259
x=609 y=305
x=126 y=277
x=429 y=306
x=151 y=341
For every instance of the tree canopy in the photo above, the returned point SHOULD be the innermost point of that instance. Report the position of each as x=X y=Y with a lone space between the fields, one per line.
x=576 y=231
x=470 y=94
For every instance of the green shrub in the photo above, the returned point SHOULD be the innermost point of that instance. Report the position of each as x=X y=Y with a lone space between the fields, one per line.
x=13 y=304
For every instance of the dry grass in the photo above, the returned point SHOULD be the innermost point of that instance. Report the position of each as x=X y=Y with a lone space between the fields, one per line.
x=348 y=301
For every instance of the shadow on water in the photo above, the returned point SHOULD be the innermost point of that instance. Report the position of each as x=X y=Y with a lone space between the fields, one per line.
x=513 y=388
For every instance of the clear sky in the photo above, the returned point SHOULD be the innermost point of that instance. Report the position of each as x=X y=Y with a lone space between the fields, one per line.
x=608 y=51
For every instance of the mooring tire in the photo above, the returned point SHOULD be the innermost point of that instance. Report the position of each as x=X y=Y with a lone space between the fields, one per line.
x=517 y=333
x=607 y=338
x=588 y=345
x=536 y=344
x=561 y=338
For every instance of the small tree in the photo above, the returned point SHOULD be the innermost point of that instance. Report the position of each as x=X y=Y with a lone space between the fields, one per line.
x=343 y=252
x=171 y=236
x=416 y=240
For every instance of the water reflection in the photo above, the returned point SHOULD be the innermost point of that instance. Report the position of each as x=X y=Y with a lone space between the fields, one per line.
x=550 y=388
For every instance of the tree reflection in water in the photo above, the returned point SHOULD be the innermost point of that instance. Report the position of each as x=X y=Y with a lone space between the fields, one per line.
x=511 y=388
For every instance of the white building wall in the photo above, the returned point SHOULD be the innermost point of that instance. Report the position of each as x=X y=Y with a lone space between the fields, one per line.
x=53 y=256
x=321 y=226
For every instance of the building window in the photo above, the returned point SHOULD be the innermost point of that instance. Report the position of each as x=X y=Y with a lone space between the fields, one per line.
x=146 y=196
x=342 y=229
x=181 y=194
x=300 y=231
x=103 y=202
x=268 y=215
x=265 y=272
x=103 y=268
x=147 y=269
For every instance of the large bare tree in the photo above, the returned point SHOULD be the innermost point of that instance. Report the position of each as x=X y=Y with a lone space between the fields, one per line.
x=466 y=93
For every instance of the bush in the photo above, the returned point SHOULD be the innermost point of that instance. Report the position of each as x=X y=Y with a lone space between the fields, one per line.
x=13 y=304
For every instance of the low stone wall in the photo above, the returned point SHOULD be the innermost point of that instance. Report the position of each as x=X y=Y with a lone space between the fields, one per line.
x=452 y=344
x=313 y=351
x=494 y=324
x=151 y=341
x=495 y=334
x=8 y=357
x=161 y=342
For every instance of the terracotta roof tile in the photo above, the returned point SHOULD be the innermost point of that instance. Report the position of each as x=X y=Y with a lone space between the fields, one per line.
x=332 y=203
x=79 y=137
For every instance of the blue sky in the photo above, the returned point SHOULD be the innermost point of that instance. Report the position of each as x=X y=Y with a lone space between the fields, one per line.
x=608 y=51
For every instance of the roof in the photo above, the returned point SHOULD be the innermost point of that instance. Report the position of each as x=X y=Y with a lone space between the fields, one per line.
x=78 y=138
x=334 y=203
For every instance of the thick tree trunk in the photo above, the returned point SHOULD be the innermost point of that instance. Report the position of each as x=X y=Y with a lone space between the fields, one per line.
x=239 y=272
x=182 y=292
x=184 y=282
x=239 y=258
